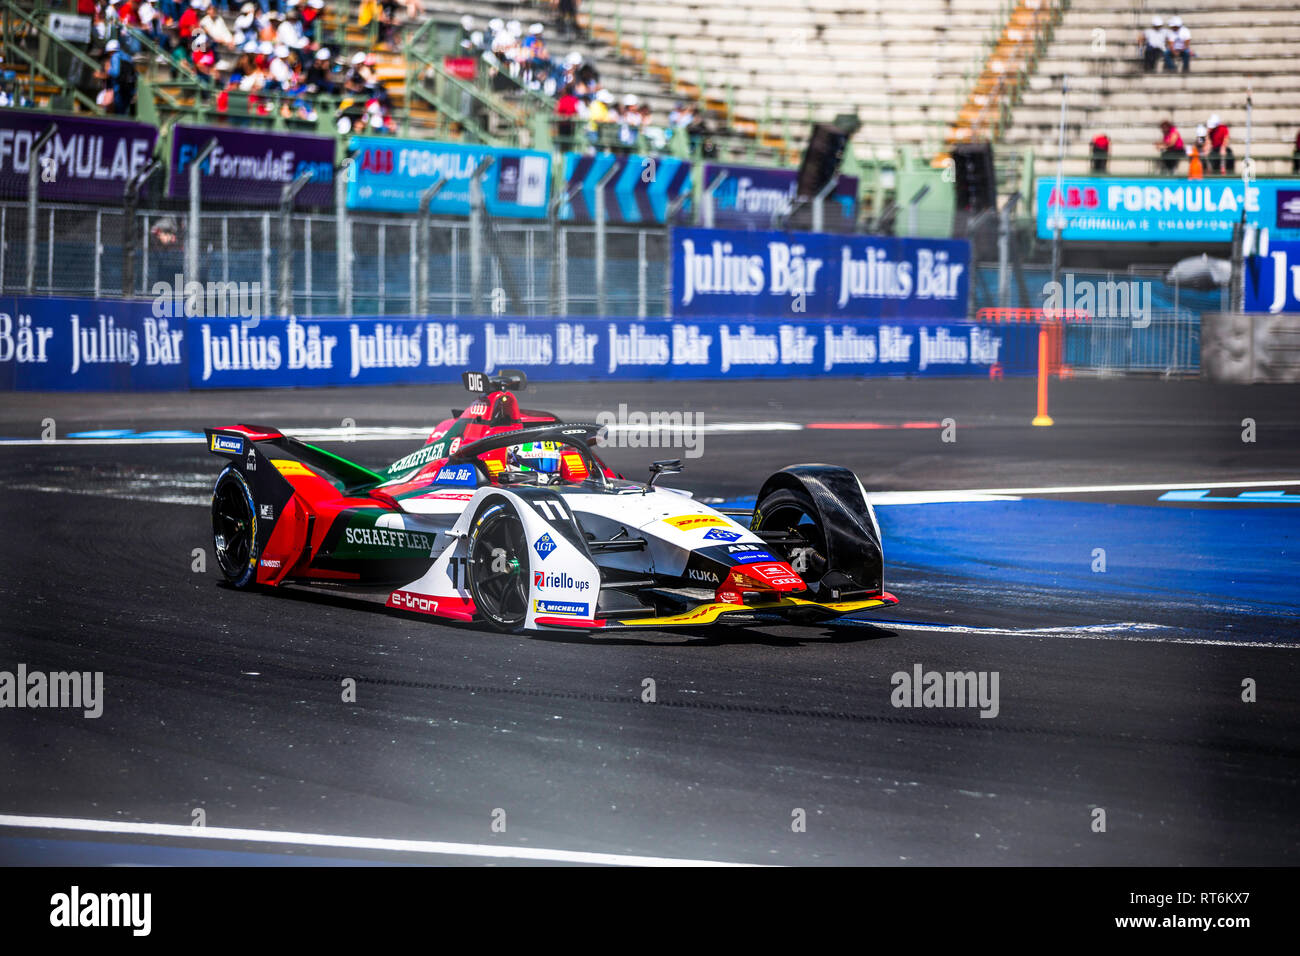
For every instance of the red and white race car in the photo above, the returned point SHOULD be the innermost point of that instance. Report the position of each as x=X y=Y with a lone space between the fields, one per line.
x=508 y=517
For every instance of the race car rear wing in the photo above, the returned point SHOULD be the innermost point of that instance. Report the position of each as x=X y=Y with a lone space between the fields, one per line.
x=239 y=443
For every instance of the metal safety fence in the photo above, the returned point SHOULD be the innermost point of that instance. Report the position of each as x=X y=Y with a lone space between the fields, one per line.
x=473 y=266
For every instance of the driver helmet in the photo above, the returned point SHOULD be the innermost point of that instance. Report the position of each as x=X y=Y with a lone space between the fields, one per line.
x=539 y=456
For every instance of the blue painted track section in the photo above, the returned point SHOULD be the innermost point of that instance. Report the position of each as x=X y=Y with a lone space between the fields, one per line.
x=1243 y=559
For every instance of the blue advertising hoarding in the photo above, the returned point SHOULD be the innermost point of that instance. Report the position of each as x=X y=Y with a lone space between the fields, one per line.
x=1166 y=209
x=639 y=192
x=1272 y=279
x=395 y=350
x=81 y=344
x=88 y=344
x=748 y=197
x=724 y=272
x=390 y=174
x=251 y=166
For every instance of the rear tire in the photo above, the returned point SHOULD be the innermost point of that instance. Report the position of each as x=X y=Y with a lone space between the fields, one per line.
x=234 y=528
x=498 y=567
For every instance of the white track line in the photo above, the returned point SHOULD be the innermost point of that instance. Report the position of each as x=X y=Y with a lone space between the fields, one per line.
x=239 y=835
x=1102 y=489
x=1125 y=631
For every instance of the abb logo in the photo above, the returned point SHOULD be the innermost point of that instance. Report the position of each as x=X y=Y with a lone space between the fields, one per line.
x=1076 y=198
x=377 y=161
x=406 y=601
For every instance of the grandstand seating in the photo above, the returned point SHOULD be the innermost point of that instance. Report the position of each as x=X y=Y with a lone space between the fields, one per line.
x=1253 y=43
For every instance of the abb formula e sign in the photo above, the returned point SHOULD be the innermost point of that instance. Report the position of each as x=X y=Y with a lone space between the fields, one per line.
x=65 y=343
x=390 y=174
x=798 y=275
x=1166 y=209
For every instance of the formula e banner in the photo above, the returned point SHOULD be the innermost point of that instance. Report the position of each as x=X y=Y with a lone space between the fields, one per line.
x=1167 y=209
x=87 y=160
x=390 y=174
x=1272 y=279
x=749 y=196
x=85 y=344
x=639 y=192
x=251 y=167
x=722 y=272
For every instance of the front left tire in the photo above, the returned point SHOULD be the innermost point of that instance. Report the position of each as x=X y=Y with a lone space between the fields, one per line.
x=234 y=528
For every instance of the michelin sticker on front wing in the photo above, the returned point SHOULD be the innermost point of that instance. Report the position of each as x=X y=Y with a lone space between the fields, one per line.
x=567 y=608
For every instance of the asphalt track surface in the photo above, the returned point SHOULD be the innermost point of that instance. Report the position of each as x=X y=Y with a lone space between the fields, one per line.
x=1119 y=690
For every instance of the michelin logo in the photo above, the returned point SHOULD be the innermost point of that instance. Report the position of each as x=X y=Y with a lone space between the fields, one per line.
x=566 y=608
x=226 y=443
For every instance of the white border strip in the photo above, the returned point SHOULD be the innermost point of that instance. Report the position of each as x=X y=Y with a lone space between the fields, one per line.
x=1080 y=632
x=235 y=834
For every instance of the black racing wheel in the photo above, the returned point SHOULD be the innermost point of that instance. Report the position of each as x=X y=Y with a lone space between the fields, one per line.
x=791 y=517
x=498 y=567
x=234 y=528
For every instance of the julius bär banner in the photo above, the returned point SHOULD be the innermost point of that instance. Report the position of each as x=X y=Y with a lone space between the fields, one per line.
x=725 y=272
x=84 y=344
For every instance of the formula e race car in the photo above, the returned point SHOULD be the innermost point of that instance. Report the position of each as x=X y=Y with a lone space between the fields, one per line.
x=508 y=517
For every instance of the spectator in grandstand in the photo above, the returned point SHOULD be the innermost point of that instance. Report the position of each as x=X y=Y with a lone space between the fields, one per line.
x=629 y=123
x=388 y=23
x=1180 y=45
x=246 y=27
x=568 y=109
x=214 y=27
x=1100 y=152
x=1151 y=43
x=154 y=23
x=313 y=17
x=656 y=136
x=320 y=75
x=568 y=10
x=598 y=114
x=1295 y=156
x=1221 y=158
x=1170 y=146
x=1196 y=155
x=202 y=57
x=187 y=24
x=701 y=136
x=118 y=72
